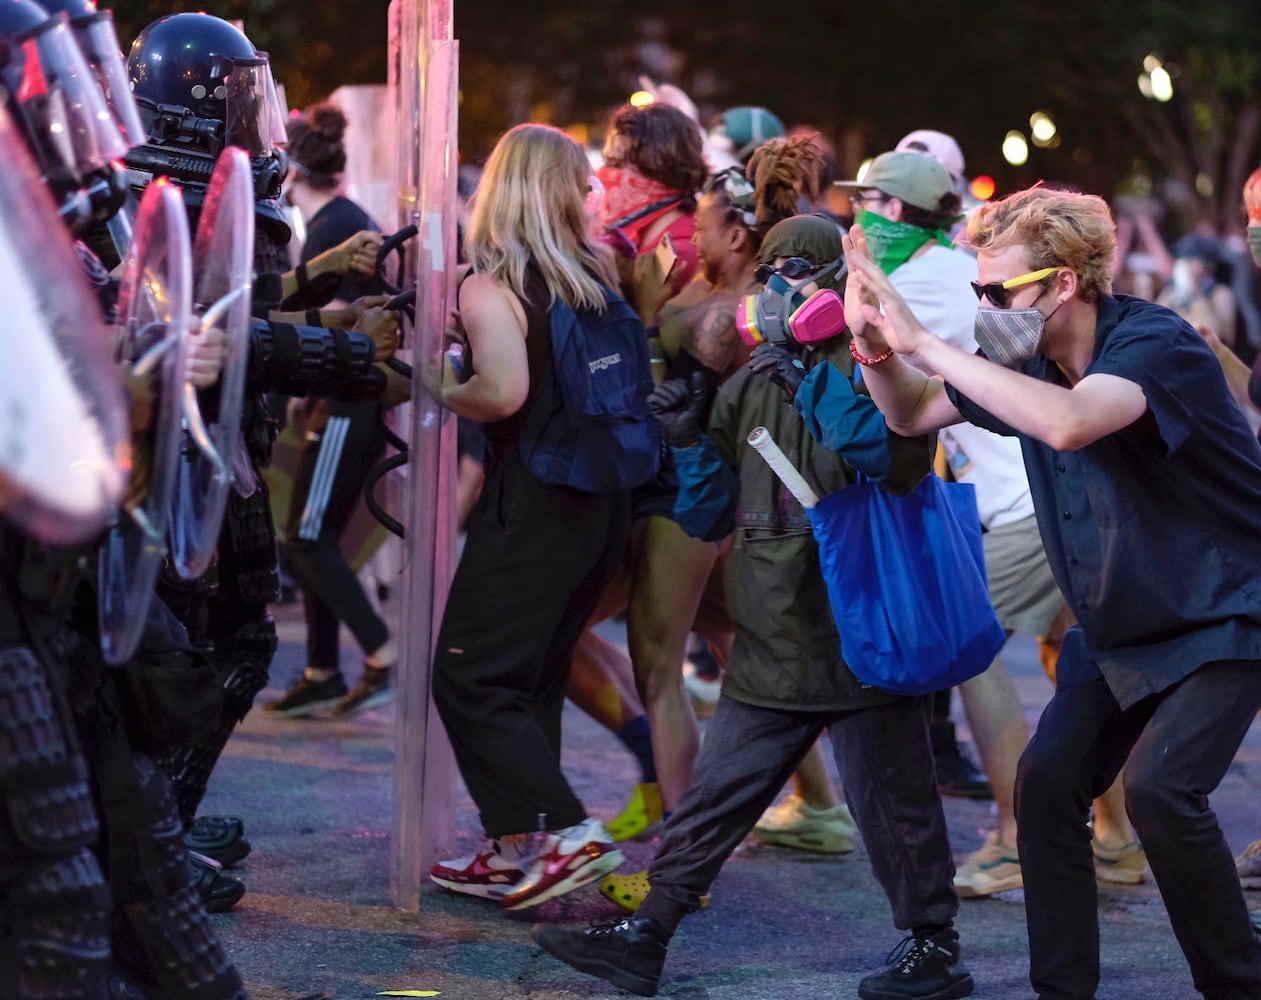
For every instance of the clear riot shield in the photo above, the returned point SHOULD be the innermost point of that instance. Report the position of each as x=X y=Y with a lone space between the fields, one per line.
x=223 y=262
x=63 y=442
x=154 y=310
x=423 y=78
x=369 y=142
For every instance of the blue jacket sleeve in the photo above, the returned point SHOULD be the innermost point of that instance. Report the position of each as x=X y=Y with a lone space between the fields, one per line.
x=844 y=421
x=706 y=505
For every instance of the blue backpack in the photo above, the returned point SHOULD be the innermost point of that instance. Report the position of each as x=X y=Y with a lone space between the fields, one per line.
x=592 y=431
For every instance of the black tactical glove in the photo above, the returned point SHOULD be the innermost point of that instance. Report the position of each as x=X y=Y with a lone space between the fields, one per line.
x=783 y=366
x=681 y=407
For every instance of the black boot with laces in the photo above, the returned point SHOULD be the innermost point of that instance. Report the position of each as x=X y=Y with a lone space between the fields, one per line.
x=922 y=967
x=629 y=953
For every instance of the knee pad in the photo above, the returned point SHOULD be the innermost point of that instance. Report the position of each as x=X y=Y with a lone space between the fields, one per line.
x=43 y=778
x=245 y=664
x=54 y=935
x=167 y=937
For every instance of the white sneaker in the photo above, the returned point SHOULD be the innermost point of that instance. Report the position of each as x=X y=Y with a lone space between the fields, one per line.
x=486 y=873
x=792 y=823
x=562 y=861
x=995 y=867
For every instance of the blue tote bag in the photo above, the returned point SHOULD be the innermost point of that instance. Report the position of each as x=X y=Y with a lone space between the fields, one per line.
x=906 y=578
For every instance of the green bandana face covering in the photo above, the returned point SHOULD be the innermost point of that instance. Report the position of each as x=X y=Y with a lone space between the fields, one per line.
x=894 y=243
x=1254 y=243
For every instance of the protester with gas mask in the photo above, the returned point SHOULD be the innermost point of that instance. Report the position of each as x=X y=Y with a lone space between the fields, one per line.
x=1129 y=434
x=787 y=680
x=681 y=576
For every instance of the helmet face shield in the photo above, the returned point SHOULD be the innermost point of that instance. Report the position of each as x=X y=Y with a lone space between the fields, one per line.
x=71 y=127
x=248 y=117
x=99 y=44
x=277 y=112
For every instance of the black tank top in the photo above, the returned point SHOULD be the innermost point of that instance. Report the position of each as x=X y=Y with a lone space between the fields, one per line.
x=538 y=347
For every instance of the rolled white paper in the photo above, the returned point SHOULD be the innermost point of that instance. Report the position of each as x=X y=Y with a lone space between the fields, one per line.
x=760 y=439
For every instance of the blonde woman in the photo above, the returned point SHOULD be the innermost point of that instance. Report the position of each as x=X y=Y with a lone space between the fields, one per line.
x=537 y=555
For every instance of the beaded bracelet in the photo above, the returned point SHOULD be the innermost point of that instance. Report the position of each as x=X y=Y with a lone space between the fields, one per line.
x=869 y=362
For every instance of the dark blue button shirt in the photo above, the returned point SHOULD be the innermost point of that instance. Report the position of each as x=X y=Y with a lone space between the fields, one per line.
x=1153 y=532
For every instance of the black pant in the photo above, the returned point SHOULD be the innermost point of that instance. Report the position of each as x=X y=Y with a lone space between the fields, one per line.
x=886 y=764
x=535 y=562
x=1179 y=744
x=327 y=485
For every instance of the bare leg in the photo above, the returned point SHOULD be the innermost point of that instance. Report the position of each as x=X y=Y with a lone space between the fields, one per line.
x=1000 y=733
x=811 y=780
x=602 y=683
x=1111 y=824
x=669 y=574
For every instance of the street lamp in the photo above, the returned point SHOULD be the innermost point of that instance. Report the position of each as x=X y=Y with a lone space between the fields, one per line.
x=1015 y=148
x=1155 y=81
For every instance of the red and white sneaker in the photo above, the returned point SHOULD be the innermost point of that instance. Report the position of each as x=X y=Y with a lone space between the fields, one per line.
x=563 y=861
x=487 y=873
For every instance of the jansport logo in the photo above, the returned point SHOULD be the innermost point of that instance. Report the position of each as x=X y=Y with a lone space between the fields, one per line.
x=608 y=361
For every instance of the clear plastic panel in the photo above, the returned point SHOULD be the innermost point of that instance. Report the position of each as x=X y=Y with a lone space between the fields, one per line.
x=154 y=313
x=64 y=451
x=424 y=70
x=248 y=115
x=99 y=43
x=62 y=99
x=223 y=259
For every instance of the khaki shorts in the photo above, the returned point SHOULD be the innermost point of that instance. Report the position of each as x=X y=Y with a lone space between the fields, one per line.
x=1022 y=588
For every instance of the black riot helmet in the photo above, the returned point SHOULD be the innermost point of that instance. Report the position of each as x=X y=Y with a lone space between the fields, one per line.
x=201 y=69
x=201 y=86
x=59 y=107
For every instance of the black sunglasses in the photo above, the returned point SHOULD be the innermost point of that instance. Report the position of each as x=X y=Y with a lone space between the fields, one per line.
x=998 y=292
x=792 y=269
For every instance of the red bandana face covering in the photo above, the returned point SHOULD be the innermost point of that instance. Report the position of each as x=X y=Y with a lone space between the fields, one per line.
x=628 y=192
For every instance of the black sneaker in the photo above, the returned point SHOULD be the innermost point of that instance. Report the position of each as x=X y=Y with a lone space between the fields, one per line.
x=922 y=967
x=957 y=773
x=306 y=697
x=629 y=953
x=372 y=691
x=218 y=891
x=218 y=837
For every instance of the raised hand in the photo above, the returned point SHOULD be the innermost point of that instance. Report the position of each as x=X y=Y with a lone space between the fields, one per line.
x=880 y=318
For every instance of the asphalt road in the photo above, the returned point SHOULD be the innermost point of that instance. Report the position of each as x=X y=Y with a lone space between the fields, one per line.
x=315 y=796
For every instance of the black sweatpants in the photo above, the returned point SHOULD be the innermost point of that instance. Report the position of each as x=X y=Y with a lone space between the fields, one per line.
x=886 y=765
x=535 y=562
x=1175 y=747
x=327 y=485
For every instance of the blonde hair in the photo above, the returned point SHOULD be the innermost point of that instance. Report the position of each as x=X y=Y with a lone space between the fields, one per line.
x=1058 y=227
x=531 y=205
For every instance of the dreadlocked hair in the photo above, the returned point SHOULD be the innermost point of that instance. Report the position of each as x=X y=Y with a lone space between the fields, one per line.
x=782 y=171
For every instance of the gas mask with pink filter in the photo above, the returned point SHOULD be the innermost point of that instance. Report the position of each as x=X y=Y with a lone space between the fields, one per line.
x=780 y=314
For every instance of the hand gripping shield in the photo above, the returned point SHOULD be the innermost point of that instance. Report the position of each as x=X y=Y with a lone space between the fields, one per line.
x=64 y=451
x=223 y=256
x=154 y=311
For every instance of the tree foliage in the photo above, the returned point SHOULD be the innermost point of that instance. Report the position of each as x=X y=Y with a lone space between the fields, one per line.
x=863 y=74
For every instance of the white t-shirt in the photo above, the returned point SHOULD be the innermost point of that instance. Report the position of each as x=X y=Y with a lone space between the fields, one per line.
x=936 y=286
